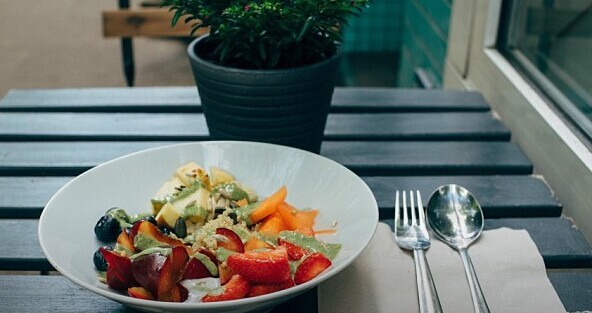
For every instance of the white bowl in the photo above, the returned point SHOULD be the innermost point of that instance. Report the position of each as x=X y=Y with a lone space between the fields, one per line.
x=66 y=224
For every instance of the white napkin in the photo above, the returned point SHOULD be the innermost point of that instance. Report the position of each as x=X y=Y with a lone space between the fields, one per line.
x=382 y=279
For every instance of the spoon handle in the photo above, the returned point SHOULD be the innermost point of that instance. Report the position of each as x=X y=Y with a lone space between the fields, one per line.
x=426 y=290
x=479 y=303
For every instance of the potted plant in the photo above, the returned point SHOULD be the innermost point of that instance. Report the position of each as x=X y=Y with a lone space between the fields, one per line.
x=267 y=70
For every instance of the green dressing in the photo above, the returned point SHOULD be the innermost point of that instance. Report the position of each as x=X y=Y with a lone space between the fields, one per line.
x=223 y=253
x=205 y=260
x=159 y=250
x=235 y=192
x=330 y=250
x=143 y=242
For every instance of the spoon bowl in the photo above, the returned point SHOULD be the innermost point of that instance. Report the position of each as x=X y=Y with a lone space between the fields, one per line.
x=456 y=218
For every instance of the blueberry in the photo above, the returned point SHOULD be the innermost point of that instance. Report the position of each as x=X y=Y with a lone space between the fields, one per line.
x=99 y=259
x=107 y=229
x=150 y=219
x=165 y=230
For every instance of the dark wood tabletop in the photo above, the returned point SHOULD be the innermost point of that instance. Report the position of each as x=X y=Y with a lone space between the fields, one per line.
x=393 y=138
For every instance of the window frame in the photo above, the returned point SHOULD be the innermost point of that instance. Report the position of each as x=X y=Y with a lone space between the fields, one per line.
x=548 y=89
x=473 y=62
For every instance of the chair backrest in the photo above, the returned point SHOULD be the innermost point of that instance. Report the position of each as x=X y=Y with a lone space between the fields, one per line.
x=148 y=22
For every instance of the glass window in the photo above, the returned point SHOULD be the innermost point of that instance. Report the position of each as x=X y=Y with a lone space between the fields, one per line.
x=551 y=43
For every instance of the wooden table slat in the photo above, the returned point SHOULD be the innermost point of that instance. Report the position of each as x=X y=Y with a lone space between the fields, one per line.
x=191 y=126
x=365 y=158
x=560 y=244
x=186 y=99
x=500 y=196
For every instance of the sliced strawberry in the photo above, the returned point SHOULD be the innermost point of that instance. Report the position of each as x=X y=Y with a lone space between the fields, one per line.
x=270 y=266
x=310 y=267
x=119 y=274
x=196 y=269
x=231 y=242
x=236 y=288
x=140 y=293
x=295 y=252
x=172 y=271
x=262 y=289
x=225 y=273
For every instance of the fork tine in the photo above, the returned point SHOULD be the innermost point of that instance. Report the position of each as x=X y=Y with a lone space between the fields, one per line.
x=404 y=207
x=397 y=210
x=420 y=208
x=412 y=208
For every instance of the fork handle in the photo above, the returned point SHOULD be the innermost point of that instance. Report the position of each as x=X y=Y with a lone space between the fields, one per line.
x=426 y=290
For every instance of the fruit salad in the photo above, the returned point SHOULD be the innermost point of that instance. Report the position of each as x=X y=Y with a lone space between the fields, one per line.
x=208 y=238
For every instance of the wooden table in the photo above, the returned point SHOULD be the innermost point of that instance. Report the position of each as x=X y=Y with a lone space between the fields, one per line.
x=392 y=138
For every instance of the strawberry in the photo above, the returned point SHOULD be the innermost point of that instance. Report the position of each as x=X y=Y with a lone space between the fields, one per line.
x=270 y=266
x=262 y=289
x=295 y=252
x=236 y=288
x=140 y=293
x=310 y=267
x=231 y=242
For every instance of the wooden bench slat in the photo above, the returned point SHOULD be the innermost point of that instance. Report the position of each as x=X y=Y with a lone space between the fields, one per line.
x=32 y=294
x=159 y=126
x=560 y=244
x=27 y=294
x=499 y=196
x=429 y=158
x=365 y=158
x=186 y=99
x=25 y=197
x=513 y=196
x=573 y=288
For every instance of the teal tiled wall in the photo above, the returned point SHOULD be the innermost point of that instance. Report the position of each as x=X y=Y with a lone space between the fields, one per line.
x=379 y=28
x=424 y=40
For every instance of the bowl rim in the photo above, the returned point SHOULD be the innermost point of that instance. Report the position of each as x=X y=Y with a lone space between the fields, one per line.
x=139 y=303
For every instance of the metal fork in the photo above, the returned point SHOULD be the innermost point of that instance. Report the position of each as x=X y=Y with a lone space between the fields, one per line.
x=411 y=234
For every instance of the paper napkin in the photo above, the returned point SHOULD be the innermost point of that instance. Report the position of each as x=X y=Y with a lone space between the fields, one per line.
x=382 y=279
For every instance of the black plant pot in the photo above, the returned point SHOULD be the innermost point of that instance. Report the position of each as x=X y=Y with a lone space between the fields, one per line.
x=286 y=106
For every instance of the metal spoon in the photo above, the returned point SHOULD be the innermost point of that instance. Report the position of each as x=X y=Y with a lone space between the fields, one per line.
x=456 y=218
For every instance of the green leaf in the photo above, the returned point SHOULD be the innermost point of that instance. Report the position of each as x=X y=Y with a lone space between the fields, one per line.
x=305 y=27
